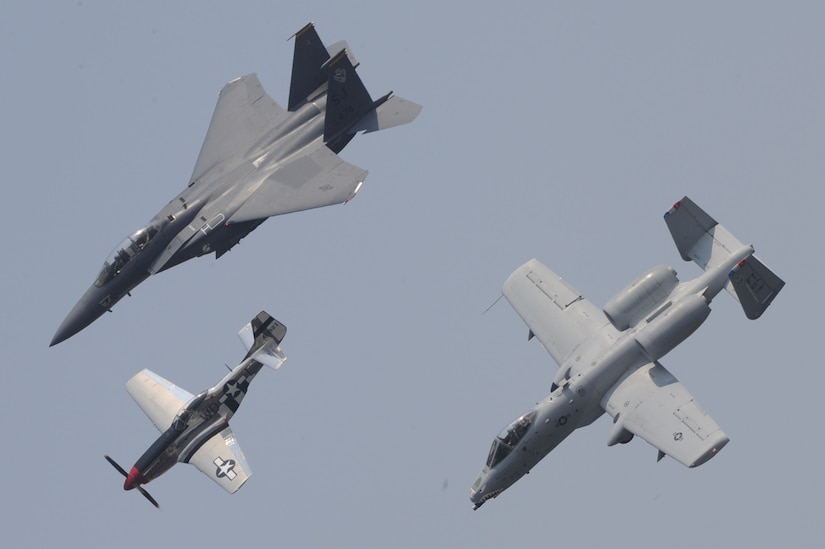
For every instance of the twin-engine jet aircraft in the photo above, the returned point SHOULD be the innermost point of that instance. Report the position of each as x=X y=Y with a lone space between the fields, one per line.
x=608 y=358
x=196 y=428
x=258 y=160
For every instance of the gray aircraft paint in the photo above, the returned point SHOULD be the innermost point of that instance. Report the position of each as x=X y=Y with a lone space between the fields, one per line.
x=195 y=428
x=258 y=160
x=609 y=357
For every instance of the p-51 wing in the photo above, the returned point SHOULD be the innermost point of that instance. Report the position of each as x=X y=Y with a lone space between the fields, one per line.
x=652 y=404
x=222 y=460
x=158 y=397
x=555 y=312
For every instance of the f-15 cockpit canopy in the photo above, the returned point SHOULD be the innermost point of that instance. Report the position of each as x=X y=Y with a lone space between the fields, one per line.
x=126 y=251
x=508 y=438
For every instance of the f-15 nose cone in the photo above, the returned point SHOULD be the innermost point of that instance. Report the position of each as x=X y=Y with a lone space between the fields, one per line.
x=86 y=311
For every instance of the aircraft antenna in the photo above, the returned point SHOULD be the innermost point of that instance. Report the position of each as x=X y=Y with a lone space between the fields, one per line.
x=491 y=306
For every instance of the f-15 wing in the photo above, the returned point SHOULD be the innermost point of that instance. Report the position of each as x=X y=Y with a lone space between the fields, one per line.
x=222 y=460
x=651 y=403
x=243 y=115
x=318 y=179
x=555 y=312
x=159 y=398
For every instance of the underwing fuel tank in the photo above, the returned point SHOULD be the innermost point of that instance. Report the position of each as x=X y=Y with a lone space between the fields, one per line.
x=672 y=325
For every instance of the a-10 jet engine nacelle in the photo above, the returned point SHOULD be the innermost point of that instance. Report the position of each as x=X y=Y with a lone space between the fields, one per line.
x=672 y=325
x=641 y=298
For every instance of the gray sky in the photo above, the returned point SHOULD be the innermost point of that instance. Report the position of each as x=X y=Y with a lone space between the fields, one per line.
x=556 y=130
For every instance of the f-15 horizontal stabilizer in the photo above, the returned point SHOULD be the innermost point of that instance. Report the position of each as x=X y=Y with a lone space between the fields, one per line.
x=261 y=337
x=702 y=239
x=394 y=112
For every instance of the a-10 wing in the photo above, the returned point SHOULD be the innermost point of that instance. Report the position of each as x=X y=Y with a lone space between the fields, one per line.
x=648 y=402
x=651 y=403
x=555 y=312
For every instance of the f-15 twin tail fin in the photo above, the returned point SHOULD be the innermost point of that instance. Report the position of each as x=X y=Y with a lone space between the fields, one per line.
x=350 y=109
x=261 y=337
x=702 y=239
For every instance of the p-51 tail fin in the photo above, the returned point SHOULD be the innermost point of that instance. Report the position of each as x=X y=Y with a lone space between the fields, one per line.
x=702 y=239
x=261 y=337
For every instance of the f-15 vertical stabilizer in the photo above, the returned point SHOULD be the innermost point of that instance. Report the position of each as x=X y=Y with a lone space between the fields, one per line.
x=261 y=337
x=307 y=75
x=702 y=239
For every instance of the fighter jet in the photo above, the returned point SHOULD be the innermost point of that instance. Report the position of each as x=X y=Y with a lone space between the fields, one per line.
x=196 y=428
x=609 y=358
x=258 y=160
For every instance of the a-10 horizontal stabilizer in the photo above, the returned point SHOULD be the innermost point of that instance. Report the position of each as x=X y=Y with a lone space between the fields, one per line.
x=703 y=240
x=261 y=337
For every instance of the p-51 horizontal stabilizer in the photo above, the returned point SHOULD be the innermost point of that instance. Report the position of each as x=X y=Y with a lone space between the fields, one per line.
x=261 y=337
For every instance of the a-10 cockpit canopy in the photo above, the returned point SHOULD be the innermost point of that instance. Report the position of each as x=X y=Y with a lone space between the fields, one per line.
x=126 y=251
x=508 y=438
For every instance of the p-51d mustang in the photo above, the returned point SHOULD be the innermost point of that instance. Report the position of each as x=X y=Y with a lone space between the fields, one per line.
x=258 y=160
x=608 y=358
x=196 y=428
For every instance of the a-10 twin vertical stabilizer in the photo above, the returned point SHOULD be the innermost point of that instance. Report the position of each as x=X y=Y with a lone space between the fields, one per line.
x=195 y=428
x=609 y=358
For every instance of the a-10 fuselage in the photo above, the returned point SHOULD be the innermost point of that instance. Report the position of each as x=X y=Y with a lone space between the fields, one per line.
x=590 y=372
x=204 y=416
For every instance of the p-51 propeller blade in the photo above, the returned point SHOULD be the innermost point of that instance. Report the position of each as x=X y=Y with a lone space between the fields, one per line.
x=138 y=486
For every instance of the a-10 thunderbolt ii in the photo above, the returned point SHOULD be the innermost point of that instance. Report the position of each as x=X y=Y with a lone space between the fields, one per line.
x=609 y=357
x=258 y=160
x=195 y=429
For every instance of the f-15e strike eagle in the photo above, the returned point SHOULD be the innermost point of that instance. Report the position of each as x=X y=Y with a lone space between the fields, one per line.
x=196 y=428
x=258 y=160
x=608 y=358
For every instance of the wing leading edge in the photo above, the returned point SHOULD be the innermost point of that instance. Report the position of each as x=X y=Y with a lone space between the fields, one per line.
x=243 y=115
x=555 y=312
x=652 y=404
x=222 y=460
x=159 y=398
